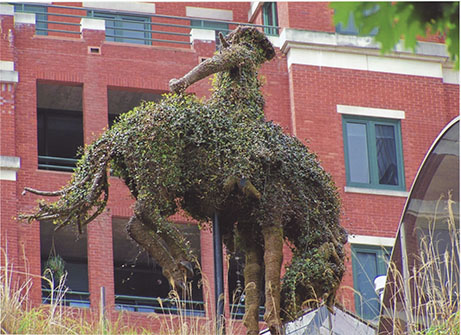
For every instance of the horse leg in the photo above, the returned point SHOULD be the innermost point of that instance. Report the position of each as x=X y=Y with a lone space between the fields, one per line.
x=273 y=256
x=144 y=228
x=252 y=275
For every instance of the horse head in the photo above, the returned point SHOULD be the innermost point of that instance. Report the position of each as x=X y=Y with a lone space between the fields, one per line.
x=237 y=46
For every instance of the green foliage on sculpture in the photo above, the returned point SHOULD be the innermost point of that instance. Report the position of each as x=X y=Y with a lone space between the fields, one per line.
x=219 y=156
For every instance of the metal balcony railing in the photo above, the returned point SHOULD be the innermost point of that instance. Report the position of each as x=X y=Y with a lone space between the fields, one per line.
x=148 y=29
x=67 y=298
x=238 y=311
x=159 y=305
x=56 y=163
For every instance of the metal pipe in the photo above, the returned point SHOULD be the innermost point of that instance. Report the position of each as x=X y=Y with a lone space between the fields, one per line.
x=218 y=276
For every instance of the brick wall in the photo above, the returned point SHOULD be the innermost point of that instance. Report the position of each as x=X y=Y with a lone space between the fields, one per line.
x=301 y=99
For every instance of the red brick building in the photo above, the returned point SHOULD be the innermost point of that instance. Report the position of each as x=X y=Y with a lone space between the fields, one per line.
x=67 y=70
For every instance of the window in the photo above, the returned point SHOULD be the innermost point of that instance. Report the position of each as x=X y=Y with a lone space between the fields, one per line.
x=139 y=283
x=236 y=285
x=125 y=28
x=122 y=100
x=64 y=255
x=270 y=17
x=218 y=27
x=41 y=19
x=373 y=153
x=351 y=28
x=368 y=262
x=60 y=126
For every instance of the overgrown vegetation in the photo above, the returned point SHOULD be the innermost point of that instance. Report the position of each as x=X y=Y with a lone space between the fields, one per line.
x=222 y=156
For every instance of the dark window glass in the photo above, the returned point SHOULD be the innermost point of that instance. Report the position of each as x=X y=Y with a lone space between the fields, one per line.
x=120 y=101
x=386 y=154
x=64 y=259
x=60 y=135
x=236 y=284
x=139 y=283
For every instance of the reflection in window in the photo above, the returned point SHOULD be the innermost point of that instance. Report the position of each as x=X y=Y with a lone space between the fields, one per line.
x=368 y=262
x=423 y=289
x=373 y=153
x=60 y=126
x=351 y=28
x=64 y=264
x=139 y=283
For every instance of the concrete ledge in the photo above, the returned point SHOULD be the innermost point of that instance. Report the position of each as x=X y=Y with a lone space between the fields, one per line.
x=450 y=76
x=92 y=24
x=122 y=6
x=362 y=53
x=24 y=18
x=202 y=35
x=6 y=9
x=6 y=65
x=371 y=240
x=9 y=76
x=372 y=112
x=8 y=167
x=209 y=13
x=375 y=191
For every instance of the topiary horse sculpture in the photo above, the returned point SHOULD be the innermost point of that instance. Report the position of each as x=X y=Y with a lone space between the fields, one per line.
x=219 y=156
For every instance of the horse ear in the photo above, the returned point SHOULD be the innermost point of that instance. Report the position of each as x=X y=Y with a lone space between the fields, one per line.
x=224 y=43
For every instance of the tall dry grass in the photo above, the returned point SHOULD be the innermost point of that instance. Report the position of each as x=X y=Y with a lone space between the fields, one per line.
x=17 y=316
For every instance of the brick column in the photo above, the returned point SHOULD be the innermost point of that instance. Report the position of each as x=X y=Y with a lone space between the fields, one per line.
x=206 y=246
x=9 y=162
x=101 y=263
x=95 y=114
x=95 y=120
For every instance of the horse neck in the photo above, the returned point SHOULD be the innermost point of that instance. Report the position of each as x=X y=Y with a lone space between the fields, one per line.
x=238 y=92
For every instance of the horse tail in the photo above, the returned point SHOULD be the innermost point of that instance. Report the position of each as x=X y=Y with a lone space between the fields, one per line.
x=85 y=196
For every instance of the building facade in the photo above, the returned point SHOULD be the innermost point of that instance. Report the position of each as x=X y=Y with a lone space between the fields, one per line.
x=67 y=71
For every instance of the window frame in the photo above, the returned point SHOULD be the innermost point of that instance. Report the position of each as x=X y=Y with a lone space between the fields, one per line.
x=370 y=123
x=117 y=19
x=382 y=254
x=46 y=161
x=269 y=12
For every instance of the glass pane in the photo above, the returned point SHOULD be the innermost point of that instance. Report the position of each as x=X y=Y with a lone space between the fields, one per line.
x=386 y=155
x=139 y=33
x=357 y=152
x=367 y=270
x=428 y=238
